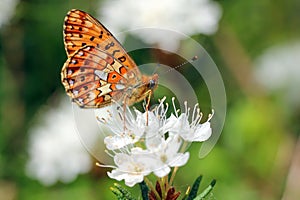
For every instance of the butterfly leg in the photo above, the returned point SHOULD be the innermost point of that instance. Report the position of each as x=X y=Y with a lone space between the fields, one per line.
x=124 y=111
x=147 y=106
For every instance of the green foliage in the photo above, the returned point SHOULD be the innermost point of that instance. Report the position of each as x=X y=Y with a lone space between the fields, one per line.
x=206 y=191
x=121 y=192
x=195 y=188
x=144 y=190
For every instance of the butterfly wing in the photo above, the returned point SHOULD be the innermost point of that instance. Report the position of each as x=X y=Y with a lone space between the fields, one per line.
x=98 y=69
x=92 y=78
x=81 y=29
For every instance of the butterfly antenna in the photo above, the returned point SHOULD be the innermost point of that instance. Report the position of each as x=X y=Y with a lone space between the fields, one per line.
x=184 y=63
x=155 y=70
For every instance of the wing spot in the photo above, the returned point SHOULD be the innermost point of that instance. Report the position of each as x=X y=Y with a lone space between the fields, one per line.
x=80 y=28
x=75 y=92
x=101 y=34
x=83 y=44
x=85 y=87
x=82 y=69
x=115 y=51
x=109 y=45
x=82 y=78
x=92 y=38
x=71 y=82
x=122 y=59
x=80 y=36
x=80 y=53
x=70 y=72
x=120 y=86
x=107 y=97
x=74 y=61
x=101 y=74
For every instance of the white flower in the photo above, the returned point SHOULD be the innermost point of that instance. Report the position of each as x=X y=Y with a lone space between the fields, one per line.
x=278 y=69
x=7 y=9
x=55 y=151
x=194 y=131
x=142 y=143
x=168 y=156
x=189 y=17
x=127 y=127
x=132 y=167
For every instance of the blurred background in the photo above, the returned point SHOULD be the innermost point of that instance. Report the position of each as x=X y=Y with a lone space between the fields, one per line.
x=255 y=44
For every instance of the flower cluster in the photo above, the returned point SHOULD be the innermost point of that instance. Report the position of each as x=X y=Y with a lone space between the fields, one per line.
x=150 y=142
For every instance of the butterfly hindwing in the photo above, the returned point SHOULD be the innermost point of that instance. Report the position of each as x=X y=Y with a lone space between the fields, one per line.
x=93 y=77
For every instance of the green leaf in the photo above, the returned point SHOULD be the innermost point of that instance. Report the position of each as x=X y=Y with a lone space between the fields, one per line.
x=121 y=193
x=195 y=188
x=144 y=190
x=206 y=191
x=117 y=193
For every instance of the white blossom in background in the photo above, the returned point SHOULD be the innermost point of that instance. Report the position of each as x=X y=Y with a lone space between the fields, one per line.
x=7 y=9
x=55 y=150
x=278 y=69
x=150 y=141
x=188 y=17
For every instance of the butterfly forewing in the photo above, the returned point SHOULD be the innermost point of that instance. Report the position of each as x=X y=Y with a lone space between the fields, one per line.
x=81 y=29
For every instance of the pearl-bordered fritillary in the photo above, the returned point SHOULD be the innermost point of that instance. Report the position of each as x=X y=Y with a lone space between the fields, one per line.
x=98 y=70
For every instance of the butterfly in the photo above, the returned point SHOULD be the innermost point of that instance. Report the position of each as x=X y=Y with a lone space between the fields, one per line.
x=98 y=70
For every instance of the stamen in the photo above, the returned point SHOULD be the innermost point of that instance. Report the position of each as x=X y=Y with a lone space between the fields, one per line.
x=188 y=112
x=107 y=152
x=174 y=107
x=200 y=117
x=106 y=166
x=195 y=111
x=211 y=115
x=166 y=110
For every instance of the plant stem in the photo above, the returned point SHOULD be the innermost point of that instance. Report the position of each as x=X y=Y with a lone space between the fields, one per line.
x=183 y=147
x=173 y=175
x=152 y=188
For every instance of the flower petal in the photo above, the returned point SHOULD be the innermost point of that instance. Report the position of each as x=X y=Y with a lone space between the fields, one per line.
x=203 y=132
x=162 y=171
x=179 y=160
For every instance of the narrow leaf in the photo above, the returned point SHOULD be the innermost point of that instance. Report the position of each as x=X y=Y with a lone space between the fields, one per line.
x=126 y=195
x=206 y=191
x=195 y=188
x=144 y=190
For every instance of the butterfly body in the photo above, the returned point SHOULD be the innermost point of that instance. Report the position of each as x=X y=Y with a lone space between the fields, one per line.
x=98 y=70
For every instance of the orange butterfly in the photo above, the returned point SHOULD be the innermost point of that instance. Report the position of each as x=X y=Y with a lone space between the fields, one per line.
x=98 y=70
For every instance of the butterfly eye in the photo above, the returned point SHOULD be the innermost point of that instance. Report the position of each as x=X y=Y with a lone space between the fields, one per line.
x=151 y=84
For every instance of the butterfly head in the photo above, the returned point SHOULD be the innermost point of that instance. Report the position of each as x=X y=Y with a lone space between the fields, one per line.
x=152 y=82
